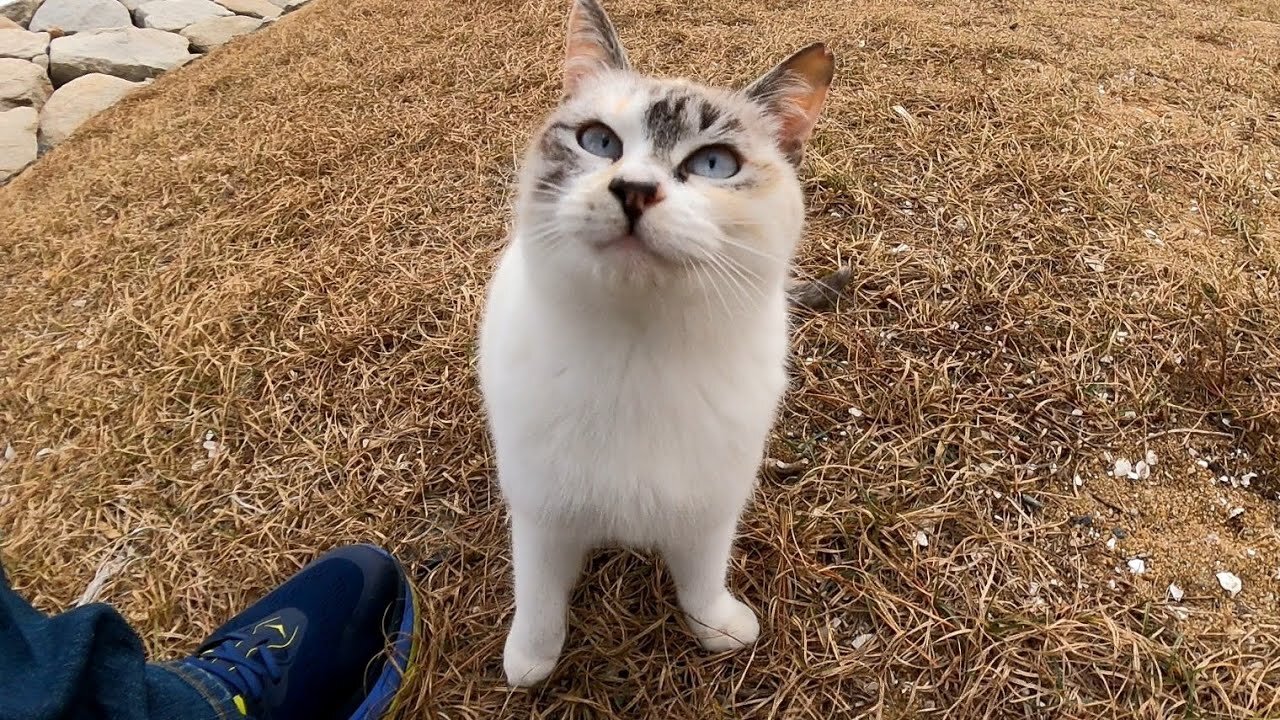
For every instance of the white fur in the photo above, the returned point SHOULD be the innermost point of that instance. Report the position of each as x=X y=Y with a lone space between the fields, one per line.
x=630 y=398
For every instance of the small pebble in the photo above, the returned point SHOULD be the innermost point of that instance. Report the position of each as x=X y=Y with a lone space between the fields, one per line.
x=1230 y=582
x=1175 y=593
x=1120 y=533
x=861 y=641
x=1122 y=468
x=1137 y=566
x=921 y=539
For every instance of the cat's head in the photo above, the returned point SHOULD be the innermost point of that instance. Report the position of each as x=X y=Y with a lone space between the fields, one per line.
x=637 y=182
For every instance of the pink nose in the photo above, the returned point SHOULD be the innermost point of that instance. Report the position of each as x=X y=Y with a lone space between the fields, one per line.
x=635 y=197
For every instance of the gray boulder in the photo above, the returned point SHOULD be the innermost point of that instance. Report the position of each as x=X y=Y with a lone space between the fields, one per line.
x=129 y=53
x=73 y=16
x=18 y=43
x=216 y=32
x=22 y=84
x=18 y=147
x=173 y=15
x=19 y=11
x=289 y=5
x=252 y=8
x=77 y=101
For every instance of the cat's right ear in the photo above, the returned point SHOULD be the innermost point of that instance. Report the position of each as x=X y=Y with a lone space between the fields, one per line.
x=593 y=45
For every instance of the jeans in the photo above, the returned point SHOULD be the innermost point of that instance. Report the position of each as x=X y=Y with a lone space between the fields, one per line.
x=88 y=664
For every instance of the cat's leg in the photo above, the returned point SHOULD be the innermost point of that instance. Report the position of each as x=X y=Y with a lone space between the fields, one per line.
x=547 y=563
x=699 y=562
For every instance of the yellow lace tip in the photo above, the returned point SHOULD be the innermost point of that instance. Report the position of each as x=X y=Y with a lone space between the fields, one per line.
x=239 y=701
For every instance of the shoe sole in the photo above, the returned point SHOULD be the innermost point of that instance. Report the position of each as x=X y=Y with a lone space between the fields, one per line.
x=384 y=698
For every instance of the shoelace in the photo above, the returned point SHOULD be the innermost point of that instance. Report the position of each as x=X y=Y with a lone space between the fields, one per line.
x=243 y=669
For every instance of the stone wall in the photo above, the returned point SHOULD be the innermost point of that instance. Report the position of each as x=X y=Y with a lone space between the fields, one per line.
x=64 y=61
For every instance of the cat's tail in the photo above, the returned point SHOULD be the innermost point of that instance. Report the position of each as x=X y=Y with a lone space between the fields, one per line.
x=821 y=294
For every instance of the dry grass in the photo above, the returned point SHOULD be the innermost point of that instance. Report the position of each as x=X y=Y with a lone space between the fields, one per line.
x=285 y=245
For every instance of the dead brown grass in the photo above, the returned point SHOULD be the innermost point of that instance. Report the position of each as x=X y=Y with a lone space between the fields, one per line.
x=1063 y=242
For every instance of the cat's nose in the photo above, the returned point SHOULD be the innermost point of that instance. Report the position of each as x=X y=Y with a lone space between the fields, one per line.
x=635 y=197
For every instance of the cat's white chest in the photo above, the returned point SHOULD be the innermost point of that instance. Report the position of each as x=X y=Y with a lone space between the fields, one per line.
x=625 y=431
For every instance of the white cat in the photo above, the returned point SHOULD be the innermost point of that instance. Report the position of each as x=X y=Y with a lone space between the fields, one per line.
x=633 y=349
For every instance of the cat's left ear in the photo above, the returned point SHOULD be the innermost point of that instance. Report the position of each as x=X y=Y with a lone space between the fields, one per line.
x=793 y=92
x=593 y=45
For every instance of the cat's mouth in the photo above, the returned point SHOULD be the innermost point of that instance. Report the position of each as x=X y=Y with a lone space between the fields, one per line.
x=632 y=248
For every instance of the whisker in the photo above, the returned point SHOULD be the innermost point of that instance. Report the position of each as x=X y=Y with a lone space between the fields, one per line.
x=733 y=243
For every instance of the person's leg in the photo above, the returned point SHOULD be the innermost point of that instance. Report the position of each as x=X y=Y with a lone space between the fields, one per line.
x=88 y=663
x=331 y=642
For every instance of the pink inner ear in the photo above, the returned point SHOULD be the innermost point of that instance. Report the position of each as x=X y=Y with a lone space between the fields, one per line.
x=816 y=68
x=798 y=125
x=583 y=58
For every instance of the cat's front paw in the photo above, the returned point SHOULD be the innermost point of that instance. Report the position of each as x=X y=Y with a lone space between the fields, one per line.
x=727 y=624
x=524 y=665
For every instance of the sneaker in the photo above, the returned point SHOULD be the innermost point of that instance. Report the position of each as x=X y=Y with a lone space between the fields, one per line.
x=333 y=641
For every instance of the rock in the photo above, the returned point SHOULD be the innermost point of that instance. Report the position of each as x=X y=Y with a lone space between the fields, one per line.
x=173 y=15
x=7 y=24
x=73 y=16
x=132 y=4
x=22 y=84
x=18 y=43
x=17 y=140
x=19 y=11
x=216 y=32
x=76 y=102
x=1175 y=593
x=252 y=8
x=1229 y=581
x=862 y=640
x=129 y=53
x=289 y=5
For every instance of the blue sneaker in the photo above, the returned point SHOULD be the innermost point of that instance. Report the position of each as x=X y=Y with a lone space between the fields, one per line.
x=334 y=641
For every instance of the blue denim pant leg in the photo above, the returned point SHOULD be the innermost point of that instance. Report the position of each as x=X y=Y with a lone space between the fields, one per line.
x=88 y=664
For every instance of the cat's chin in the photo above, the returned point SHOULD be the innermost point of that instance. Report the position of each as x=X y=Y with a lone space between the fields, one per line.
x=632 y=250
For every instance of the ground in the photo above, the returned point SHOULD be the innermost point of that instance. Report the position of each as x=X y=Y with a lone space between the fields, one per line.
x=240 y=309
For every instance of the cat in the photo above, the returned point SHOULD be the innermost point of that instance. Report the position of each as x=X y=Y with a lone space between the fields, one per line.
x=633 y=348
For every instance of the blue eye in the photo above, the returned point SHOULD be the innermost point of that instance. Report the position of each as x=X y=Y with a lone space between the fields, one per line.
x=713 y=161
x=598 y=139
